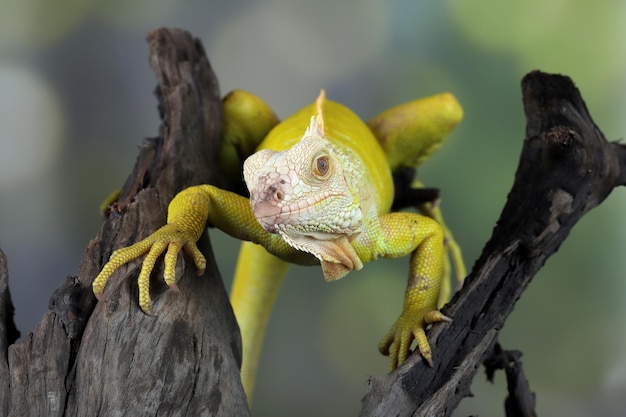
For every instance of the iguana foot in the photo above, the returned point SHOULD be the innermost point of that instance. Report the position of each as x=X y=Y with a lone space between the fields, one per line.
x=169 y=238
x=410 y=325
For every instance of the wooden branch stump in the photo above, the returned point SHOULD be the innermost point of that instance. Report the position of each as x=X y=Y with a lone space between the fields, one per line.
x=110 y=359
x=8 y=334
x=566 y=168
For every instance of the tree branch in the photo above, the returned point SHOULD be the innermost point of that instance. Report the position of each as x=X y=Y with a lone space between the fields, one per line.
x=8 y=333
x=109 y=358
x=566 y=168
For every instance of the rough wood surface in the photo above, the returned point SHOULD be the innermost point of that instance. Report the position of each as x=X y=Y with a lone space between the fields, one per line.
x=566 y=168
x=110 y=359
x=8 y=334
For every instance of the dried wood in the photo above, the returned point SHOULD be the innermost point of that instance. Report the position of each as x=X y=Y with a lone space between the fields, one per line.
x=109 y=358
x=567 y=167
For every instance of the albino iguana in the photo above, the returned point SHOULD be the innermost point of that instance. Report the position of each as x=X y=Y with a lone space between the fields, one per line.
x=321 y=191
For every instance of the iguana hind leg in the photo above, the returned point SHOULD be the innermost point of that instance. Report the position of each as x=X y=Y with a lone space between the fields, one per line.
x=247 y=119
x=411 y=132
x=454 y=256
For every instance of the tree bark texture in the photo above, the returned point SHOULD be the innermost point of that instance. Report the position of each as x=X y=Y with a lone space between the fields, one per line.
x=110 y=359
x=566 y=168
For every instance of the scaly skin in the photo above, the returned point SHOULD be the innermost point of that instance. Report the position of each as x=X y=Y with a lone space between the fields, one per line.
x=321 y=191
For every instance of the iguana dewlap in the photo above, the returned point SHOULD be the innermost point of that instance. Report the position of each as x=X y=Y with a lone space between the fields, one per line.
x=320 y=192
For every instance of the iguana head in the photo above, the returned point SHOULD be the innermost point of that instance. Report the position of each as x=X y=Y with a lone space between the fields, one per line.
x=303 y=195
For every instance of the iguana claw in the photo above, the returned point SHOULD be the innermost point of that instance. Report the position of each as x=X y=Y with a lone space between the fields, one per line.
x=409 y=326
x=168 y=238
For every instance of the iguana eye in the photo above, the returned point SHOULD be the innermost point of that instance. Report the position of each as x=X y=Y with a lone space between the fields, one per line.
x=321 y=166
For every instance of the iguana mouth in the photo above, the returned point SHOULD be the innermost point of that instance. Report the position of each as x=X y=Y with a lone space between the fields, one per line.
x=269 y=214
x=266 y=214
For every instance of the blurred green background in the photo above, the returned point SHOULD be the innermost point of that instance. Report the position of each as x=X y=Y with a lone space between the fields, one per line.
x=76 y=100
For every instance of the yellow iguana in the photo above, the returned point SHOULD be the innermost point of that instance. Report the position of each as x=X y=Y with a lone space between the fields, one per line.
x=321 y=191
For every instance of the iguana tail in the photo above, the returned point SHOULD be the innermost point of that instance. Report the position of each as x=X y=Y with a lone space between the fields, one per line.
x=258 y=278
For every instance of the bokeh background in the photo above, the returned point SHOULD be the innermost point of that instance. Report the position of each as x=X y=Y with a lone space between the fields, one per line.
x=76 y=99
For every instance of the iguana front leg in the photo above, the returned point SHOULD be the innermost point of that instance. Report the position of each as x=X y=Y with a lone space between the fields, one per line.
x=396 y=235
x=188 y=214
x=182 y=231
x=409 y=134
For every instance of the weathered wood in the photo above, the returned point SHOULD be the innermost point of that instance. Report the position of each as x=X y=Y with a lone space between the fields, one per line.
x=103 y=359
x=520 y=401
x=8 y=334
x=566 y=168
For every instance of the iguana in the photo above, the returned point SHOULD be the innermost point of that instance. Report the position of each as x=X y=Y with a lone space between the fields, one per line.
x=321 y=191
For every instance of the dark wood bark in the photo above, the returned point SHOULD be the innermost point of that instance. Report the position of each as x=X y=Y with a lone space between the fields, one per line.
x=8 y=334
x=566 y=168
x=102 y=359
x=108 y=358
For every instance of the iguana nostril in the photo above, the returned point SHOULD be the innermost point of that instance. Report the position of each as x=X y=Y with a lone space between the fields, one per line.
x=275 y=192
